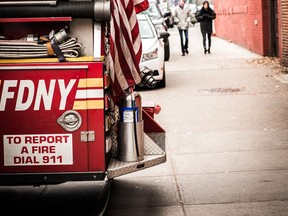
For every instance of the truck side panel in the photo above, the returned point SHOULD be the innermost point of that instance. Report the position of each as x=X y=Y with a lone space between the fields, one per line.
x=44 y=112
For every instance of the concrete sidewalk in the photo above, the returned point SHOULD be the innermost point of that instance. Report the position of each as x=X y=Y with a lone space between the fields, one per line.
x=226 y=122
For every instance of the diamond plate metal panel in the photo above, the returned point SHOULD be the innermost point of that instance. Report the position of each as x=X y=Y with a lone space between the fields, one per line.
x=118 y=168
x=153 y=155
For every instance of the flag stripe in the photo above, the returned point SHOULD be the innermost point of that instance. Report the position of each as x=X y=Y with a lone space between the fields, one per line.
x=126 y=50
x=125 y=44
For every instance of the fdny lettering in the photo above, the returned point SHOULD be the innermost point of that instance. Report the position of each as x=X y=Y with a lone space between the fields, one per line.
x=27 y=93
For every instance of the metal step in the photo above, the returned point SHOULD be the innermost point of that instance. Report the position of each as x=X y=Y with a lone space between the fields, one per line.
x=154 y=154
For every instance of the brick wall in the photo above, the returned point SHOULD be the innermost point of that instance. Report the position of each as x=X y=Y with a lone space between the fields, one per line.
x=284 y=33
x=244 y=22
x=248 y=23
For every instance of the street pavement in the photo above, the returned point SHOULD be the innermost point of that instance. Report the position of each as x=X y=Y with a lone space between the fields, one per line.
x=226 y=121
x=87 y=198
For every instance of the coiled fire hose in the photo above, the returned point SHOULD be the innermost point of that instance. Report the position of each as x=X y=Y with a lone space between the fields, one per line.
x=69 y=48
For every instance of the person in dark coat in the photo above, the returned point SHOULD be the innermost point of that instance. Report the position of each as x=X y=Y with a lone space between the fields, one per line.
x=205 y=16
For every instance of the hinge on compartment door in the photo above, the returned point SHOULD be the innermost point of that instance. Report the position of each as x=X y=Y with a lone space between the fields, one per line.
x=87 y=136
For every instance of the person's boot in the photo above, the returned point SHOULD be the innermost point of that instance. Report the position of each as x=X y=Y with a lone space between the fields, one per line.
x=208 y=50
x=183 y=51
x=205 y=50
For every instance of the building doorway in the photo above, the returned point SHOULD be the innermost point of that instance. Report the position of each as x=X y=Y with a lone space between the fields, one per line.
x=274 y=28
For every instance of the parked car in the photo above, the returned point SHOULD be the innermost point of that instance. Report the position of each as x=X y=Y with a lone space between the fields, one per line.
x=158 y=20
x=167 y=13
x=152 y=59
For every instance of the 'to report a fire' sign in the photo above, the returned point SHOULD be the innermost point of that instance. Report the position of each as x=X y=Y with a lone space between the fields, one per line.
x=38 y=149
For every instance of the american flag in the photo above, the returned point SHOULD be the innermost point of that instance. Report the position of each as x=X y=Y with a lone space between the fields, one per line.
x=125 y=44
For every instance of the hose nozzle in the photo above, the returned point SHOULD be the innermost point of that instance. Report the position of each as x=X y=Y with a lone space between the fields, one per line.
x=147 y=78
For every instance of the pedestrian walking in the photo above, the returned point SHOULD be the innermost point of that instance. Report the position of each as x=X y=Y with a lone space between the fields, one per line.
x=182 y=19
x=206 y=16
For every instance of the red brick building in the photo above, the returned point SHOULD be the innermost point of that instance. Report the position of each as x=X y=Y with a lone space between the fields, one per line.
x=258 y=25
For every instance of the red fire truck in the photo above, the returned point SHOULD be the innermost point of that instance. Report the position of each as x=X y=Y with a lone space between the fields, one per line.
x=58 y=121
